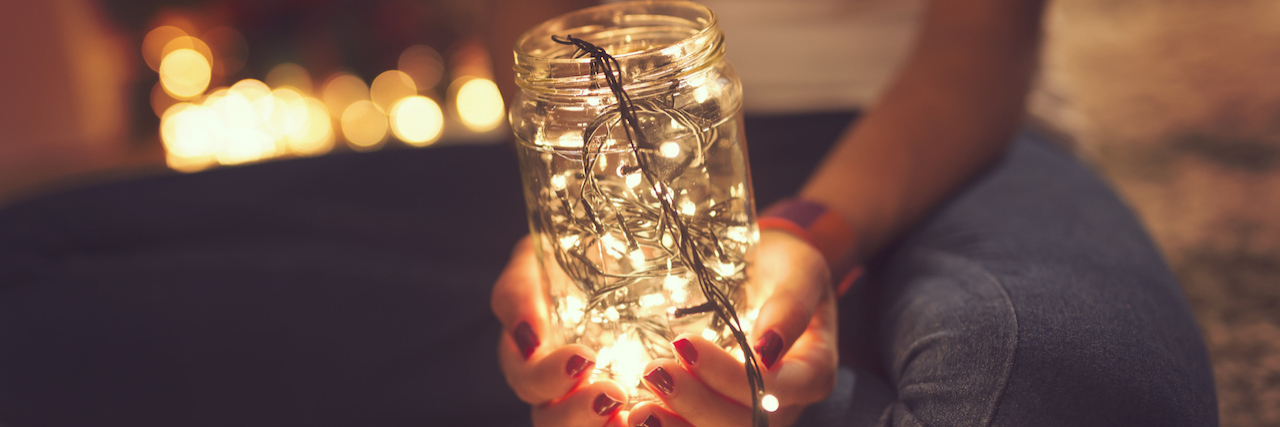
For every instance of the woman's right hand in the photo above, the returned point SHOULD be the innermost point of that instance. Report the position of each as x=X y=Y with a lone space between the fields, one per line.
x=551 y=378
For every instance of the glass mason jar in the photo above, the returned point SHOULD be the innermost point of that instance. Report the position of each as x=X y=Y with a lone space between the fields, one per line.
x=611 y=255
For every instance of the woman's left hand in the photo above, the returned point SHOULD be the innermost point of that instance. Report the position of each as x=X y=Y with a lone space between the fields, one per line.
x=794 y=337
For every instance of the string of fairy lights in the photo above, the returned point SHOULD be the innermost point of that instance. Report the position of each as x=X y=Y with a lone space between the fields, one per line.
x=288 y=114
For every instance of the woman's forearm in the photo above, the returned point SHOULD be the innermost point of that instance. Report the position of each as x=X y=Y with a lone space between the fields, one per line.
x=952 y=109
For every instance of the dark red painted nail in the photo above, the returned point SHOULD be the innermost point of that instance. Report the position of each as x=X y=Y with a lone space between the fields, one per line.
x=605 y=405
x=577 y=365
x=769 y=346
x=661 y=380
x=686 y=350
x=525 y=339
x=652 y=421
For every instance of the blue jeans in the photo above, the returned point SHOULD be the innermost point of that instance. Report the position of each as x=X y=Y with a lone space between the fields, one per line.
x=1032 y=298
x=353 y=290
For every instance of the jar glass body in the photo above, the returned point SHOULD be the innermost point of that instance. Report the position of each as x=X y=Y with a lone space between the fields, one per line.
x=615 y=275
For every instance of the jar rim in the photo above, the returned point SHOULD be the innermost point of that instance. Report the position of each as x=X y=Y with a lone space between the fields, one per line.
x=520 y=52
x=676 y=38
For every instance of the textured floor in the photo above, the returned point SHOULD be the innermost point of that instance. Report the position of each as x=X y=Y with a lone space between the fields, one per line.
x=1178 y=104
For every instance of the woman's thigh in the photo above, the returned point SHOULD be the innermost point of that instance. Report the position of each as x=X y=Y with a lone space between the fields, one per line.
x=1031 y=297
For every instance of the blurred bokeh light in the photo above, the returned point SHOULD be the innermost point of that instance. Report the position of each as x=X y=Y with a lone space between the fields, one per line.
x=417 y=120
x=231 y=47
x=479 y=104
x=389 y=87
x=161 y=100
x=364 y=125
x=291 y=75
x=423 y=64
x=316 y=137
x=217 y=107
x=185 y=73
x=187 y=42
x=154 y=42
x=341 y=90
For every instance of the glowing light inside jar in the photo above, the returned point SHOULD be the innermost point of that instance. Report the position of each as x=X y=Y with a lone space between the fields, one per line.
x=726 y=268
x=675 y=285
x=558 y=182
x=701 y=94
x=688 y=208
x=749 y=323
x=738 y=234
x=652 y=300
x=637 y=257
x=572 y=309
x=570 y=139
x=604 y=358
x=629 y=360
x=669 y=149
x=613 y=245
x=633 y=180
x=769 y=403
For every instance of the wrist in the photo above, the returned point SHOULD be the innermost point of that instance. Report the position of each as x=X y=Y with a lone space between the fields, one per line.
x=823 y=229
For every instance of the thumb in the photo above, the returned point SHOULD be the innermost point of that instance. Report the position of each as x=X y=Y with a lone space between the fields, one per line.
x=799 y=278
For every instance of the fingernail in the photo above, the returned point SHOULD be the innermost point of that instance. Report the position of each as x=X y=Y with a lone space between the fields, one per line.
x=525 y=339
x=605 y=405
x=652 y=421
x=769 y=346
x=686 y=350
x=577 y=365
x=661 y=380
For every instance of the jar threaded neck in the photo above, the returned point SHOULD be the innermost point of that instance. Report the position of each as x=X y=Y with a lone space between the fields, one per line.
x=654 y=42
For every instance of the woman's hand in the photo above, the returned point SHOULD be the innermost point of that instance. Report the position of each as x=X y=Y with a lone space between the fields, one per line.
x=795 y=341
x=546 y=376
x=794 y=337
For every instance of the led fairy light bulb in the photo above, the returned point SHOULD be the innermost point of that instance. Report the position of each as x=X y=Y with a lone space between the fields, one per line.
x=769 y=403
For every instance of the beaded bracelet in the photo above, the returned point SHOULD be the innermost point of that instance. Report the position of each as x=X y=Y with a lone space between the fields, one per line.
x=822 y=228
